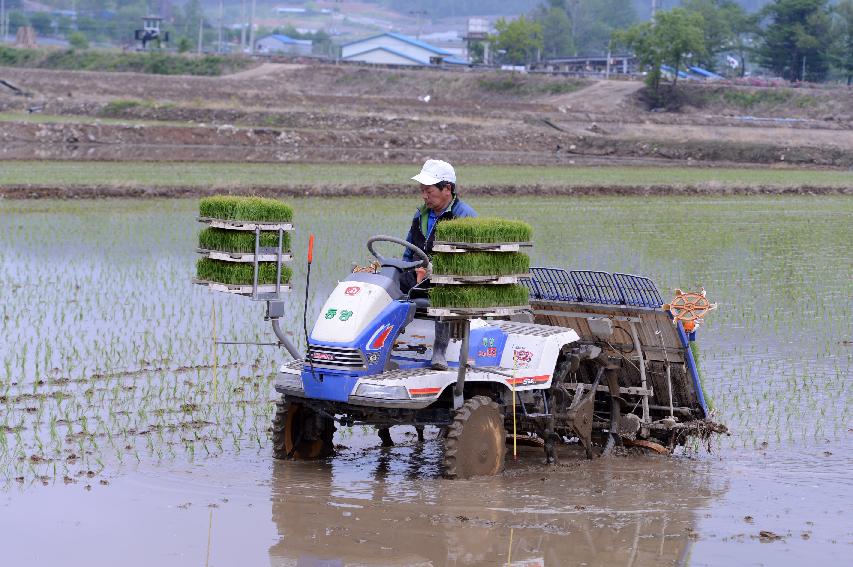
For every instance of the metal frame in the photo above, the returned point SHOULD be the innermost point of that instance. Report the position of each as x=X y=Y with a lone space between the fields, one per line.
x=255 y=291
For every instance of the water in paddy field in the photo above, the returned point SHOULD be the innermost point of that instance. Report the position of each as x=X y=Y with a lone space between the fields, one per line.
x=118 y=435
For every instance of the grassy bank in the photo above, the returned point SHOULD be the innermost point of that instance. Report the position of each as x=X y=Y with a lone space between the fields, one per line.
x=97 y=60
x=235 y=175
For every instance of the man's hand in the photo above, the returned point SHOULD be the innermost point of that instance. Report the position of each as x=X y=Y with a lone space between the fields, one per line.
x=420 y=274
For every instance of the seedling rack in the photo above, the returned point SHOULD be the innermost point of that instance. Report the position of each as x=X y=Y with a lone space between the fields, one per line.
x=461 y=316
x=255 y=291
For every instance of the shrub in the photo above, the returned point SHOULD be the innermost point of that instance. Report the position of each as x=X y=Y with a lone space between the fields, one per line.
x=78 y=40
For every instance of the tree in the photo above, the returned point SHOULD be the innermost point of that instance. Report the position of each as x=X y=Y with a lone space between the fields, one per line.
x=594 y=21
x=724 y=22
x=78 y=40
x=842 y=30
x=672 y=38
x=184 y=45
x=797 y=37
x=520 y=40
x=41 y=22
x=17 y=19
x=556 y=30
x=477 y=53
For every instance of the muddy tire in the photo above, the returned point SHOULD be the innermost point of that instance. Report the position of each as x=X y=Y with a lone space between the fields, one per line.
x=476 y=440
x=613 y=439
x=299 y=433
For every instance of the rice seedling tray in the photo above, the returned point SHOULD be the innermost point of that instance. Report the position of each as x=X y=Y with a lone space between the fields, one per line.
x=486 y=280
x=265 y=255
x=442 y=246
x=246 y=225
x=243 y=289
x=469 y=312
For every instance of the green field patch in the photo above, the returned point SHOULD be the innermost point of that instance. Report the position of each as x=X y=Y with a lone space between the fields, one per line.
x=475 y=296
x=247 y=175
x=480 y=263
x=233 y=273
x=236 y=241
x=245 y=209
x=483 y=229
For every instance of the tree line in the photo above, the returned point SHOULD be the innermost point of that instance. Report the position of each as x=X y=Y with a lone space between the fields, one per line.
x=799 y=40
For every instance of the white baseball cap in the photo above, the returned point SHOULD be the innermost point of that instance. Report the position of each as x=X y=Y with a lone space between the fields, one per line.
x=435 y=171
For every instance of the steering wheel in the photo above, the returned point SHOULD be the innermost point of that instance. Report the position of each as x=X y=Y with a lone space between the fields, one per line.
x=423 y=262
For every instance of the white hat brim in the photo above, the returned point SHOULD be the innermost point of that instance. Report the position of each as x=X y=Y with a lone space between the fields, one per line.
x=426 y=179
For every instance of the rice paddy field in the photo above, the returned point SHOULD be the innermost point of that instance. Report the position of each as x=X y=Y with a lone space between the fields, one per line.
x=123 y=429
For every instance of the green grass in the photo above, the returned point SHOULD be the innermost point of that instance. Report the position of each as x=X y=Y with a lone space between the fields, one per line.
x=521 y=85
x=245 y=208
x=238 y=241
x=483 y=229
x=39 y=118
x=248 y=175
x=747 y=99
x=239 y=273
x=104 y=60
x=478 y=296
x=480 y=263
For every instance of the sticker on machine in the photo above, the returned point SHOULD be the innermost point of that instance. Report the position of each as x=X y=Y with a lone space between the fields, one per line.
x=522 y=352
x=377 y=341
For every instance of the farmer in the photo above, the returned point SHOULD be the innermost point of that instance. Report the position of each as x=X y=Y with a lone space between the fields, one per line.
x=438 y=190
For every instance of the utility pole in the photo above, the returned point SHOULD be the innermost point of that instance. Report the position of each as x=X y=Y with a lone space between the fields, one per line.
x=654 y=8
x=200 y=32
x=803 y=77
x=418 y=14
x=252 y=29
x=3 y=20
x=242 y=24
x=221 y=14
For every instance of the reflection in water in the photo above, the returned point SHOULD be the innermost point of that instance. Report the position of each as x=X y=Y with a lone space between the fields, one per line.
x=391 y=507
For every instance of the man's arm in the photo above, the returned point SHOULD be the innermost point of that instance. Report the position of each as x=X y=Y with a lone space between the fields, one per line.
x=408 y=255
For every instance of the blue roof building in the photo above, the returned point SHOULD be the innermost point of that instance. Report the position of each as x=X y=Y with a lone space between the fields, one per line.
x=396 y=49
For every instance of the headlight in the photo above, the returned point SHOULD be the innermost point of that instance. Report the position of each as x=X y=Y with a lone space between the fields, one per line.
x=290 y=381
x=383 y=392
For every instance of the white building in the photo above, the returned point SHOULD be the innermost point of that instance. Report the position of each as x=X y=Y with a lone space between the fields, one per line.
x=278 y=43
x=396 y=49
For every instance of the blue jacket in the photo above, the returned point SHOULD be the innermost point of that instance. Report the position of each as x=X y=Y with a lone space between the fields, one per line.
x=418 y=232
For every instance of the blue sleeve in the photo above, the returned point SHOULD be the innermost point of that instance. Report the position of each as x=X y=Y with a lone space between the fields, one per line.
x=408 y=255
x=463 y=210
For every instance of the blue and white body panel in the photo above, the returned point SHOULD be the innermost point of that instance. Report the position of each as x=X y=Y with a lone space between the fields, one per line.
x=528 y=352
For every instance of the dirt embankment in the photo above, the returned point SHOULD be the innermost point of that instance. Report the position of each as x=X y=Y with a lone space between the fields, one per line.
x=173 y=191
x=320 y=113
x=515 y=144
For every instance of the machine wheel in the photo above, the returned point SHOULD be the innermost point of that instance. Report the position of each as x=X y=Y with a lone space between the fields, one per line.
x=476 y=440
x=298 y=432
x=613 y=437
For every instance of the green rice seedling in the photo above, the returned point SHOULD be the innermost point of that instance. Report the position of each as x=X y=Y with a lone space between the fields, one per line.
x=480 y=263
x=245 y=209
x=238 y=241
x=483 y=229
x=239 y=273
x=474 y=296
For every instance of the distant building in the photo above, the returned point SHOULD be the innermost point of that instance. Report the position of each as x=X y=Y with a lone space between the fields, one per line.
x=396 y=49
x=278 y=43
x=624 y=64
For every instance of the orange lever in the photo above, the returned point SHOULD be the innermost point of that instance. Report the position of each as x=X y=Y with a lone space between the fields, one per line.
x=310 y=248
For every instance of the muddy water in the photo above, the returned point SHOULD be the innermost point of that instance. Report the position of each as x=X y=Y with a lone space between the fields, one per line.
x=119 y=441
